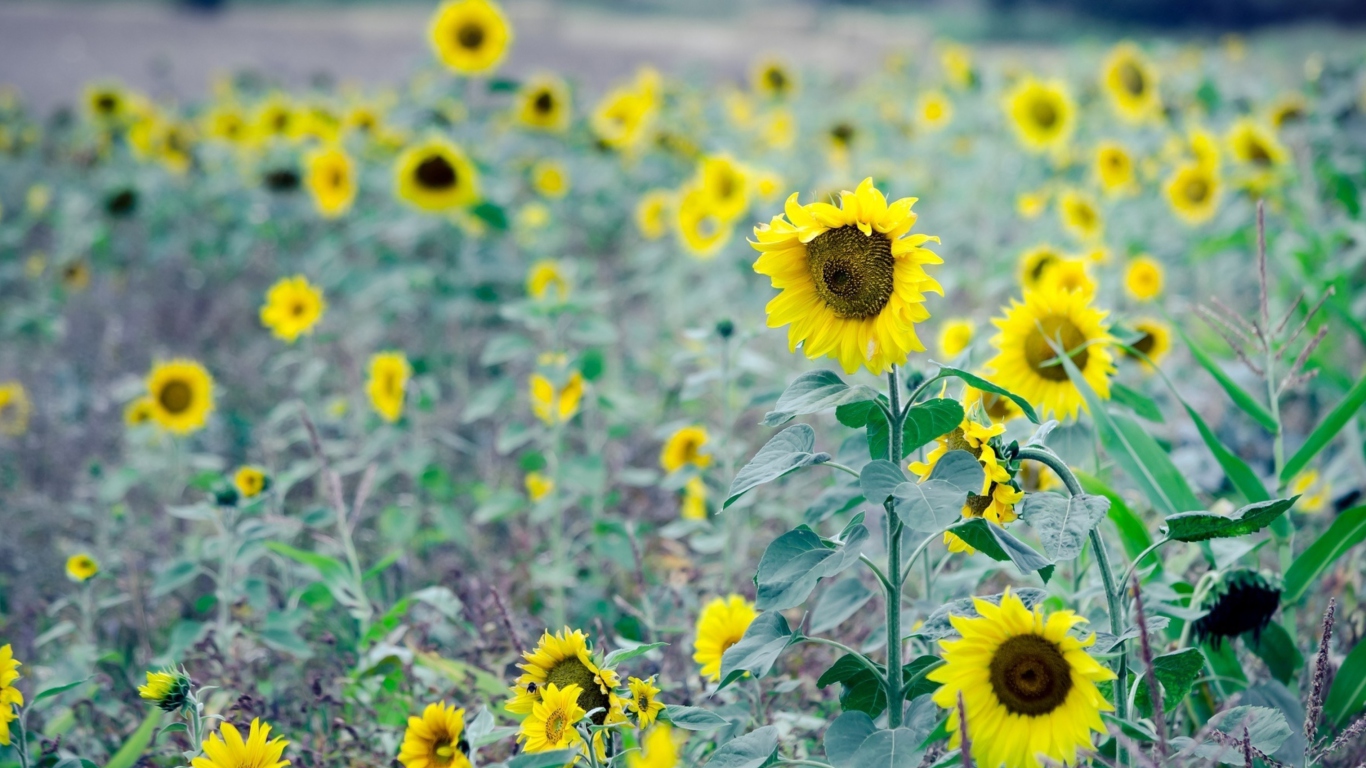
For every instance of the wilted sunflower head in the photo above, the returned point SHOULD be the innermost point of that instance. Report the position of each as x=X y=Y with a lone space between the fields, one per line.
x=1241 y=600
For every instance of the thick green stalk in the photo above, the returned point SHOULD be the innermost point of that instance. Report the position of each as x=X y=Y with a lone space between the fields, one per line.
x=892 y=526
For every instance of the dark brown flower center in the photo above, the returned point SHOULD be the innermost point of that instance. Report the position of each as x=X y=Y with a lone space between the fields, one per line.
x=1062 y=332
x=1131 y=78
x=1030 y=675
x=1044 y=113
x=1145 y=343
x=544 y=103
x=776 y=79
x=843 y=134
x=571 y=671
x=470 y=36
x=106 y=103
x=853 y=272
x=176 y=396
x=436 y=172
x=1257 y=153
x=1197 y=190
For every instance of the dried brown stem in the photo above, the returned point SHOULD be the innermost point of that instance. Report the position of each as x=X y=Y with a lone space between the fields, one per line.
x=1351 y=733
x=1223 y=329
x=1288 y=314
x=1304 y=357
x=1234 y=320
x=965 y=744
x=367 y=484
x=1308 y=317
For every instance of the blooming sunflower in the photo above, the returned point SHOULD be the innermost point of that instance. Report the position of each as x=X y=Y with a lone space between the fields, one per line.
x=1143 y=278
x=227 y=749
x=954 y=336
x=436 y=739
x=1130 y=82
x=564 y=659
x=538 y=486
x=684 y=447
x=999 y=494
x=81 y=567
x=1028 y=686
x=226 y=122
x=250 y=481
x=107 y=103
x=168 y=689
x=550 y=178
x=139 y=412
x=182 y=395
x=15 y=408
x=1035 y=263
x=551 y=723
x=470 y=37
x=389 y=373
x=722 y=623
x=773 y=78
x=1030 y=205
x=1114 y=168
x=546 y=280
x=694 y=499
x=701 y=228
x=658 y=749
x=853 y=280
x=1193 y=191
x=1069 y=275
x=1042 y=113
x=293 y=307
x=331 y=179
x=435 y=176
x=1080 y=216
x=624 y=117
x=1025 y=362
x=643 y=702
x=933 y=111
x=1262 y=156
x=652 y=213
x=956 y=61
x=1314 y=495
x=1154 y=340
x=725 y=184
x=276 y=119
x=543 y=104
x=10 y=696
x=555 y=404
x=1289 y=108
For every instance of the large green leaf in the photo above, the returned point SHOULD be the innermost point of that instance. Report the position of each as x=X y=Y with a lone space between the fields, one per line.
x=927 y=421
x=752 y=750
x=1266 y=729
x=1202 y=526
x=879 y=479
x=553 y=759
x=997 y=543
x=1347 y=530
x=813 y=392
x=788 y=450
x=1241 y=397
x=977 y=382
x=758 y=650
x=938 y=502
x=1327 y=429
x=1136 y=401
x=838 y=603
x=1239 y=473
x=797 y=560
x=1175 y=672
x=862 y=690
x=694 y=718
x=1063 y=522
x=1347 y=695
x=1275 y=647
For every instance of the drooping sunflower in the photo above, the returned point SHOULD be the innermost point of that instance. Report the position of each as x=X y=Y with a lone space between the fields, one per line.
x=999 y=493
x=330 y=176
x=564 y=659
x=694 y=506
x=684 y=448
x=168 y=688
x=1035 y=263
x=954 y=336
x=1025 y=362
x=658 y=749
x=1154 y=340
x=470 y=37
x=1143 y=278
x=10 y=696
x=543 y=103
x=250 y=481
x=933 y=111
x=435 y=175
x=1130 y=82
x=1114 y=168
x=1080 y=216
x=996 y=407
x=701 y=229
x=1069 y=275
x=546 y=280
x=293 y=307
x=1241 y=601
x=227 y=748
x=555 y=404
x=1042 y=113
x=1028 y=685
x=436 y=739
x=387 y=384
x=15 y=409
x=773 y=78
x=644 y=702
x=652 y=213
x=538 y=486
x=81 y=567
x=722 y=623
x=853 y=279
x=552 y=720
x=550 y=178
x=181 y=392
x=139 y=412
x=1193 y=191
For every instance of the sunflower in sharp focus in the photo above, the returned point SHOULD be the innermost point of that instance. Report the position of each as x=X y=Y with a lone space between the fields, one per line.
x=553 y=719
x=652 y=213
x=701 y=229
x=1193 y=191
x=1154 y=340
x=81 y=567
x=773 y=78
x=168 y=689
x=436 y=739
x=15 y=409
x=1026 y=362
x=10 y=696
x=684 y=448
x=181 y=392
x=470 y=37
x=565 y=659
x=933 y=111
x=644 y=703
x=1130 y=81
x=999 y=494
x=1035 y=263
x=722 y=623
x=388 y=383
x=435 y=176
x=1080 y=216
x=227 y=748
x=1042 y=113
x=1114 y=168
x=1143 y=278
x=293 y=308
x=1028 y=685
x=543 y=104
x=853 y=279
x=550 y=178
x=330 y=176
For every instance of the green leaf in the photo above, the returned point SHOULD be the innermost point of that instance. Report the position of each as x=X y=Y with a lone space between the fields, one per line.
x=834 y=500
x=1063 y=522
x=626 y=654
x=977 y=382
x=331 y=570
x=853 y=741
x=1266 y=729
x=57 y=690
x=927 y=421
x=1176 y=673
x=879 y=479
x=694 y=718
x=788 y=450
x=1137 y=402
x=863 y=690
x=839 y=602
x=794 y=563
x=756 y=653
x=1239 y=473
x=752 y=750
x=1275 y=647
x=1347 y=531
x=1133 y=533
x=1326 y=430
x=492 y=215
x=556 y=759
x=996 y=543
x=127 y=756
x=1347 y=695
x=813 y=392
x=855 y=415
x=1244 y=400
x=938 y=502
x=937 y=626
x=174 y=576
x=1202 y=526
x=845 y=735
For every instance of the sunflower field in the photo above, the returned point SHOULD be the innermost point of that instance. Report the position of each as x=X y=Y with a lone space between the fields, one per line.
x=989 y=408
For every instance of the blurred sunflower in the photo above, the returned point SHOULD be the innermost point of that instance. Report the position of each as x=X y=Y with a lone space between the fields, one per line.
x=543 y=103
x=227 y=748
x=726 y=185
x=722 y=623
x=15 y=408
x=226 y=122
x=1154 y=340
x=1260 y=153
x=276 y=119
x=181 y=392
x=387 y=384
x=435 y=176
x=933 y=111
x=364 y=119
x=1028 y=686
x=1042 y=113
x=546 y=279
x=1069 y=275
x=250 y=481
x=293 y=308
x=996 y=407
x=1315 y=495
x=564 y=659
x=470 y=37
x=1287 y=109
x=841 y=137
x=1080 y=216
x=1204 y=148
x=624 y=117
x=701 y=229
x=10 y=696
x=1035 y=263
x=658 y=749
x=954 y=336
x=1031 y=205
x=81 y=567
x=773 y=78
x=1143 y=278
x=550 y=178
x=538 y=486
x=778 y=129
x=553 y=719
x=652 y=213
x=331 y=180
x=555 y=404
x=108 y=103
x=139 y=412
x=684 y=448
x=853 y=279
x=999 y=494
x=1114 y=168
x=694 y=505
x=956 y=62
x=1130 y=82
x=436 y=739
x=1026 y=363
x=1193 y=191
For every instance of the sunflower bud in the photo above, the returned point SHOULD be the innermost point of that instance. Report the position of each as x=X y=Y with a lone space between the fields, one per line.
x=1242 y=600
x=169 y=689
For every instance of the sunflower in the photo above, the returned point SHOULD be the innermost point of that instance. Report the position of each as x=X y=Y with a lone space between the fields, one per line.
x=75 y=276
x=701 y=229
x=1028 y=686
x=652 y=213
x=436 y=739
x=624 y=117
x=108 y=103
x=954 y=336
x=1193 y=191
x=726 y=186
x=956 y=61
x=1026 y=363
x=1204 y=148
x=389 y=373
x=694 y=499
x=722 y=623
x=139 y=412
x=10 y=696
x=564 y=659
x=1130 y=82
x=1114 y=168
x=853 y=282
x=1143 y=278
x=543 y=104
x=1314 y=495
x=1069 y=275
x=1241 y=601
x=293 y=307
x=1154 y=340
x=684 y=448
x=643 y=702
x=320 y=123
x=996 y=407
x=552 y=403
x=1042 y=113
x=182 y=395
x=1289 y=108
x=546 y=280
x=81 y=567
x=933 y=111
x=550 y=178
x=276 y=119
x=658 y=749
x=1080 y=216
x=538 y=486
x=365 y=119
x=168 y=689
x=1031 y=205
x=552 y=721
x=469 y=36
x=15 y=409
x=250 y=481
x=841 y=137
x=778 y=129
x=435 y=175
x=331 y=179
x=1035 y=263
x=773 y=78
x=1260 y=153
x=227 y=749
x=999 y=494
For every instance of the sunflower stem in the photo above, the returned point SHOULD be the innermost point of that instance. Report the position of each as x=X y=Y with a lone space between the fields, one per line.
x=892 y=527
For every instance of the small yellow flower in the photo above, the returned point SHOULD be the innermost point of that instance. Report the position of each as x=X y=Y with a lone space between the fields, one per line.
x=1030 y=205
x=544 y=104
x=139 y=412
x=652 y=214
x=956 y=61
x=694 y=499
x=293 y=307
x=1042 y=113
x=1130 y=81
x=81 y=567
x=15 y=408
x=538 y=486
x=552 y=404
x=550 y=178
x=1154 y=340
x=250 y=481
x=10 y=696
x=955 y=336
x=933 y=111
x=643 y=702
x=436 y=175
x=1114 y=168
x=546 y=280
x=551 y=724
x=1193 y=191
x=227 y=748
x=470 y=37
x=1314 y=494
x=388 y=382
x=331 y=180
x=684 y=448
x=1143 y=278
x=1080 y=216
x=773 y=78
x=658 y=749
x=700 y=226
x=181 y=392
